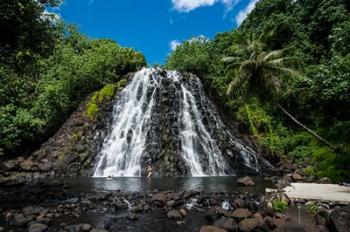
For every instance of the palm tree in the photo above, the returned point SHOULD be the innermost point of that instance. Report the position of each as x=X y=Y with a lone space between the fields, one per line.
x=257 y=72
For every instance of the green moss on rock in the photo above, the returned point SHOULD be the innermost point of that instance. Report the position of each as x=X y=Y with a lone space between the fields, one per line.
x=106 y=93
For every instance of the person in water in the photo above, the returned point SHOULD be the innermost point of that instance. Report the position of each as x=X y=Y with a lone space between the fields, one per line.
x=109 y=178
x=149 y=171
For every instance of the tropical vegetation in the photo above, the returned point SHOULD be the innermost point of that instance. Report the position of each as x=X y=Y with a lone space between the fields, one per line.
x=284 y=75
x=46 y=69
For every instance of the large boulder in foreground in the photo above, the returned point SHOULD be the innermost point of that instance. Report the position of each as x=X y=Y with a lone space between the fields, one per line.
x=340 y=219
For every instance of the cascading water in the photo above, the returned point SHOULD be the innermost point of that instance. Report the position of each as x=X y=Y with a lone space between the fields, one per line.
x=163 y=118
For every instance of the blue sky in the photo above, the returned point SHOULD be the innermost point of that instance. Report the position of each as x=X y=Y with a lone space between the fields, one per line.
x=154 y=27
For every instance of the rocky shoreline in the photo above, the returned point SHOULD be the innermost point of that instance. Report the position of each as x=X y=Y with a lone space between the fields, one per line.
x=41 y=207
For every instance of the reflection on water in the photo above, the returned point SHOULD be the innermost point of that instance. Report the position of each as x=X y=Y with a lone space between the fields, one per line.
x=141 y=184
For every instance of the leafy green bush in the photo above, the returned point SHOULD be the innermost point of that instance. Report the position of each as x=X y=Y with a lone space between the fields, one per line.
x=35 y=104
x=279 y=205
x=191 y=56
x=312 y=208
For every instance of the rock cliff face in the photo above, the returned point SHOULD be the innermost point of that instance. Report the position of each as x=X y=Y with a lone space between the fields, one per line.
x=164 y=119
x=181 y=118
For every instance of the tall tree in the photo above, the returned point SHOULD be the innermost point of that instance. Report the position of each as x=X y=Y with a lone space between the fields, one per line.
x=258 y=72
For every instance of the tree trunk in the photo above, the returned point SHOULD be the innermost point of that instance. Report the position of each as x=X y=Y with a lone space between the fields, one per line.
x=306 y=128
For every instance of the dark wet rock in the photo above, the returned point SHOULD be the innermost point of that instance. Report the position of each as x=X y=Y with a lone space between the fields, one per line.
x=32 y=210
x=159 y=198
x=268 y=223
x=249 y=224
x=340 y=219
x=238 y=203
x=297 y=177
x=241 y=213
x=138 y=208
x=188 y=194
x=291 y=228
x=183 y=212
x=29 y=165
x=171 y=203
x=320 y=228
x=277 y=222
x=20 y=220
x=320 y=220
x=247 y=181
x=214 y=213
x=85 y=227
x=132 y=216
x=228 y=224
x=37 y=227
x=259 y=217
x=174 y=214
x=98 y=230
x=211 y=229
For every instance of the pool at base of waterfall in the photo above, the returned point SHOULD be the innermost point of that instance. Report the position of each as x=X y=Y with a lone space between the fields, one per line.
x=142 y=184
x=124 y=203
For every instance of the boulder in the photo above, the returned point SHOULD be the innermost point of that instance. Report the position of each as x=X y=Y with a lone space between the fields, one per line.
x=259 y=217
x=228 y=224
x=85 y=227
x=297 y=177
x=247 y=181
x=29 y=165
x=249 y=224
x=268 y=223
x=37 y=227
x=2 y=229
x=340 y=219
x=138 y=208
x=183 y=212
x=211 y=229
x=159 y=197
x=291 y=227
x=325 y=180
x=32 y=210
x=238 y=203
x=241 y=213
x=214 y=213
x=98 y=230
x=132 y=216
x=20 y=220
x=170 y=203
x=174 y=214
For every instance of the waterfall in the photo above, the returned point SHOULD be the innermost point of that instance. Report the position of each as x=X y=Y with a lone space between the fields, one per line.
x=163 y=118
x=123 y=147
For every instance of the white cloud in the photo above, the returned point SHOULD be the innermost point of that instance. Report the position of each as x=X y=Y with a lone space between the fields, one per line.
x=173 y=44
x=243 y=13
x=189 y=5
x=52 y=16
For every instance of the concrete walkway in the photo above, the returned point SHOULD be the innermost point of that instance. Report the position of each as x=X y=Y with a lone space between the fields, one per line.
x=322 y=192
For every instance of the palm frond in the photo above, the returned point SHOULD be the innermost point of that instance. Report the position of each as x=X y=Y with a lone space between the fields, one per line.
x=232 y=66
x=276 y=54
x=230 y=59
x=283 y=70
x=247 y=65
x=236 y=83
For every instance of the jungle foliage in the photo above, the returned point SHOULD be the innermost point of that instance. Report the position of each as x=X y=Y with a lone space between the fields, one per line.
x=316 y=34
x=46 y=69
